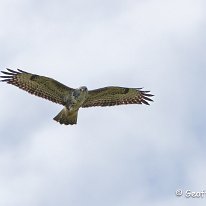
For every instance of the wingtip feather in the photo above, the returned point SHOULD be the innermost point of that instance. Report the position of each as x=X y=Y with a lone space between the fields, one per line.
x=144 y=102
x=21 y=71
x=12 y=71
x=7 y=73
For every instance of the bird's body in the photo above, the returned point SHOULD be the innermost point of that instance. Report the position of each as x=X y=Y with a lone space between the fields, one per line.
x=73 y=99
x=73 y=102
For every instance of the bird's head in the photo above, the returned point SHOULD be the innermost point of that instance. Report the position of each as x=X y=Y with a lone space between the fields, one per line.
x=83 y=89
x=80 y=93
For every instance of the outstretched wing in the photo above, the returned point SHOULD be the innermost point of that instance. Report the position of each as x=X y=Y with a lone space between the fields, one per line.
x=38 y=85
x=110 y=96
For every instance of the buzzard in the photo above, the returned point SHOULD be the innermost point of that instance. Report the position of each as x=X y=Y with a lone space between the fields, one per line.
x=73 y=99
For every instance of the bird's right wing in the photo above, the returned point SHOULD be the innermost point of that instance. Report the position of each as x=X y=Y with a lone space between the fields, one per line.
x=110 y=96
x=41 y=86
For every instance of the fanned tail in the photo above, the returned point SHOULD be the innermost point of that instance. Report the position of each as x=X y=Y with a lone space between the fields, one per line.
x=66 y=117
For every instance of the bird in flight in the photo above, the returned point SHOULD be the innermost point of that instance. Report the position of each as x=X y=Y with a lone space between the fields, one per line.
x=73 y=99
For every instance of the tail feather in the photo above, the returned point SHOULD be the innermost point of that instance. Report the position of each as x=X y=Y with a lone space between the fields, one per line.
x=66 y=117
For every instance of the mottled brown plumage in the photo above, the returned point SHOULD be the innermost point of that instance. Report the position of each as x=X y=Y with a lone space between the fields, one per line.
x=73 y=99
x=110 y=96
x=41 y=86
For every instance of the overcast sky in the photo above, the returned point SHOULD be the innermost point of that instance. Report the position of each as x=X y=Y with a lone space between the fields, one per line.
x=115 y=156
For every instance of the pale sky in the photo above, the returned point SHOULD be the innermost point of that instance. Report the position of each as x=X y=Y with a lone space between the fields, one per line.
x=115 y=156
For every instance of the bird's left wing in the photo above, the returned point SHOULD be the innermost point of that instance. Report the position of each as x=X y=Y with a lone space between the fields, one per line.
x=41 y=86
x=110 y=96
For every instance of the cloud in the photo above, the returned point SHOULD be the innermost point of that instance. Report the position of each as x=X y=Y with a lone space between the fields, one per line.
x=115 y=156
